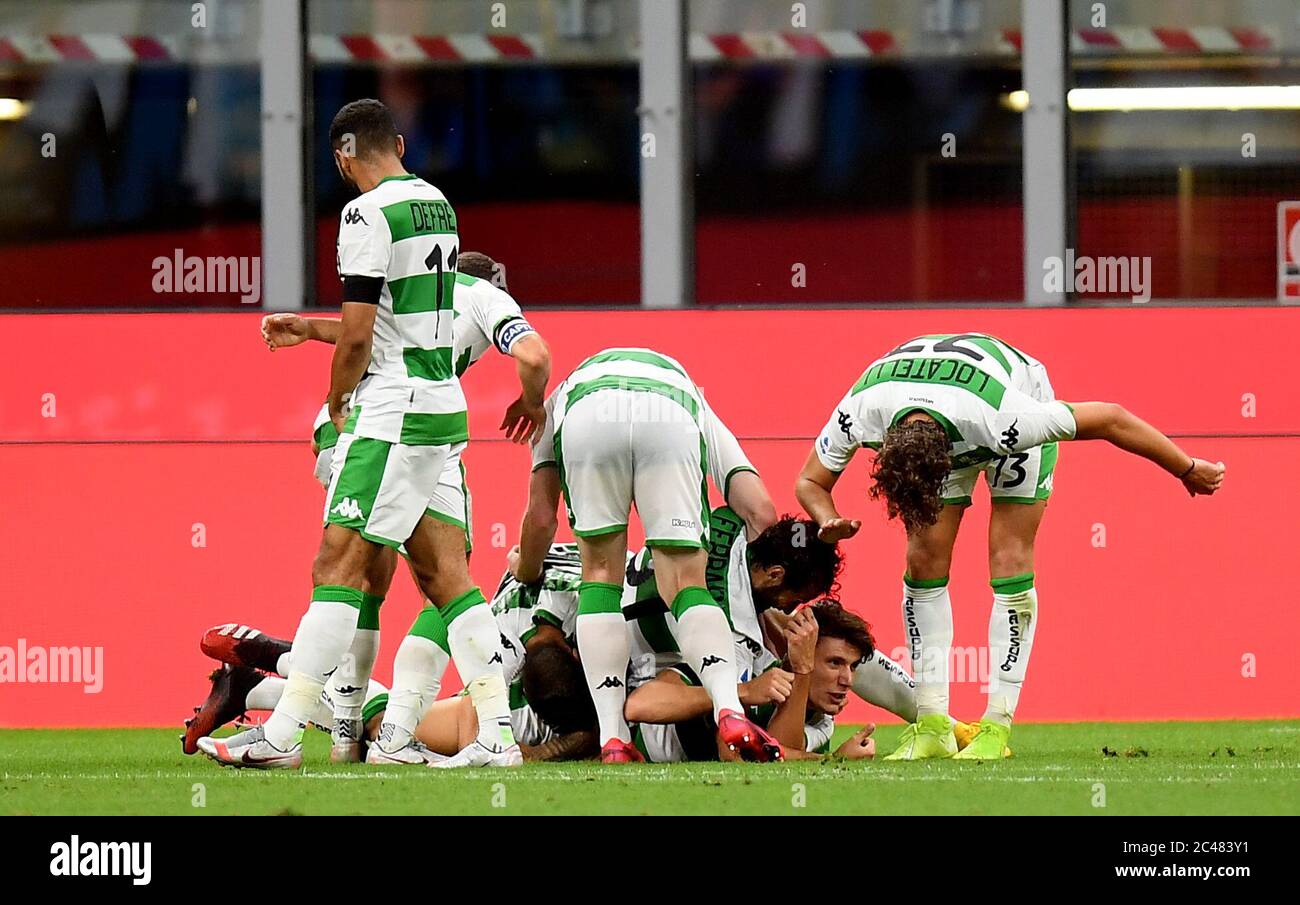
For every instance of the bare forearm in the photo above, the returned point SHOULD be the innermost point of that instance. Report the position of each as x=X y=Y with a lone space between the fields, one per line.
x=666 y=702
x=787 y=722
x=324 y=329
x=748 y=496
x=1117 y=425
x=346 y=369
x=573 y=746
x=815 y=499
x=533 y=367
x=536 y=534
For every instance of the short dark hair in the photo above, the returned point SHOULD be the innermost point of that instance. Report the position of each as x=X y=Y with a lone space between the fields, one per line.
x=556 y=689
x=370 y=124
x=833 y=621
x=909 y=472
x=809 y=563
x=477 y=264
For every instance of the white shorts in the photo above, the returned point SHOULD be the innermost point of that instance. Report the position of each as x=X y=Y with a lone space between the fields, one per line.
x=619 y=447
x=383 y=489
x=1022 y=477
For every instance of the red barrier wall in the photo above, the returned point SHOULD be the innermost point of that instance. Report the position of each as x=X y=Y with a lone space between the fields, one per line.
x=162 y=422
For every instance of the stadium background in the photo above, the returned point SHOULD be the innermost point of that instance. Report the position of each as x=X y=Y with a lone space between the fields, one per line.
x=818 y=147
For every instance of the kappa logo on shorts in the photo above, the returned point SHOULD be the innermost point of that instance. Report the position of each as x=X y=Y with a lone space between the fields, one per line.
x=683 y=523
x=348 y=508
x=711 y=660
x=610 y=682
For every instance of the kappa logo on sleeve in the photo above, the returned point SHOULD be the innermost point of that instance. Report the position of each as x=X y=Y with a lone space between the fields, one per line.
x=845 y=422
x=1011 y=436
x=354 y=216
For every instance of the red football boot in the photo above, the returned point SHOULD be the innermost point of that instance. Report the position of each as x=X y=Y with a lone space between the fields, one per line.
x=230 y=687
x=743 y=737
x=617 y=751
x=243 y=645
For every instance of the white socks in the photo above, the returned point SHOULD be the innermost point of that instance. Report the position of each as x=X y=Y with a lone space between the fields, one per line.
x=708 y=648
x=880 y=681
x=475 y=643
x=347 y=687
x=323 y=637
x=1011 y=636
x=604 y=651
x=603 y=644
x=927 y=624
x=417 y=677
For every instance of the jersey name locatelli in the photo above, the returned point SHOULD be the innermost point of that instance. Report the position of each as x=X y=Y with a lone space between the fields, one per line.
x=989 y=397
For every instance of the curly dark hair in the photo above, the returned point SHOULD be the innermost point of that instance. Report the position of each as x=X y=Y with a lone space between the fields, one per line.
x=809 y=563
x=833 y=621
x=370 y=124
x=910 y=470
x=556 y=689
x=477 y=264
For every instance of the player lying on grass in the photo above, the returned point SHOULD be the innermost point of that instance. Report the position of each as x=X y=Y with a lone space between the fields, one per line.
x=629 y=426
x=550 y=710
x=938 y=411
x=759 y=583
x=796 y=700
x=486 y=316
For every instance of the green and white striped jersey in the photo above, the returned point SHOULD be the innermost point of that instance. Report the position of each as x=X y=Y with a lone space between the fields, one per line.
x=483 y=316
x=404 y=232
x=991 y=398
x=670 y=393
x=519 y=609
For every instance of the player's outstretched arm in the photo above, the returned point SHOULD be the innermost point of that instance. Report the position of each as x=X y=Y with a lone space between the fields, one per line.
x=813 y=491
x=527 y=415
x=285 y=329
x=667 y=699
x=1117 y=425
x=537 y=530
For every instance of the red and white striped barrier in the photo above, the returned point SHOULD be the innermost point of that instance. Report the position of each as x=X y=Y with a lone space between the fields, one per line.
x=506 y=48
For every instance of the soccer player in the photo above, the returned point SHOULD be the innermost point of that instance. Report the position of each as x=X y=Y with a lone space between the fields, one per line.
x=485 y=316
x=630 y=426
x=796 y=699
x=405 y=430
x=938 y=411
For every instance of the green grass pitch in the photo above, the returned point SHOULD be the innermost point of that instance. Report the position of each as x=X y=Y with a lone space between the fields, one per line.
x=1151 y=768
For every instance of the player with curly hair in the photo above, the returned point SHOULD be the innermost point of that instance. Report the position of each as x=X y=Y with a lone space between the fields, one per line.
x=938 y=411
